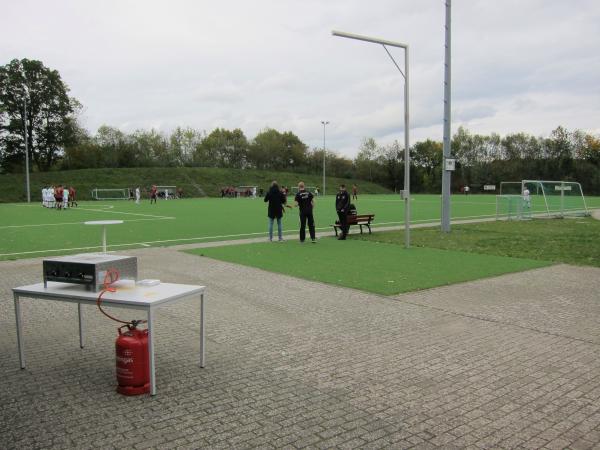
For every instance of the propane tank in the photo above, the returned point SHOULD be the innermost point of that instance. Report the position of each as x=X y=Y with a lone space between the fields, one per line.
x=133 y=373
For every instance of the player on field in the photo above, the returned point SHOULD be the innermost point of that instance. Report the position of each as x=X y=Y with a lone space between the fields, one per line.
x=137 y=195
x=65 y=198
x=72 y=193
x=526 y=198
x=58 y=196
x=153 y=193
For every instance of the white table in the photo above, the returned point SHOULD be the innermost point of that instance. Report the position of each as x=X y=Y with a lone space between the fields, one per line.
x=128 y=295
x=103 y=223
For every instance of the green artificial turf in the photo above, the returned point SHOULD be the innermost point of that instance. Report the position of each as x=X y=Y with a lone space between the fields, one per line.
x=571 y=241
x=370 y=266
x=29 y=230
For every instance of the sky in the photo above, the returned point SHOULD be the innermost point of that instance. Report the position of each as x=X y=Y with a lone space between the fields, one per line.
x=517 y=65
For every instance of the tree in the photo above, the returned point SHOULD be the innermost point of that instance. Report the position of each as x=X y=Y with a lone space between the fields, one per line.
x=365 y=161
x=51 y=123
x=224 y=148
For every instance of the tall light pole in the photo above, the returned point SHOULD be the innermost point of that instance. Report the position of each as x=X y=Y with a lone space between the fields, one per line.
x=26 y=143
x=447 y=150
x=324 y=122
x=406 y=192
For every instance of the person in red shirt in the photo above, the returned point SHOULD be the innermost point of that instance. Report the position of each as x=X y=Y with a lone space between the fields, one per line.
x=72 y=193
x=153 y=193
x=58 y=196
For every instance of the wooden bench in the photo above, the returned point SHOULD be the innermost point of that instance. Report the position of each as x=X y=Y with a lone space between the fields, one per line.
x=358 y=219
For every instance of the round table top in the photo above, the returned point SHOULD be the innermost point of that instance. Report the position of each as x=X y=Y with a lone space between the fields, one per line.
x=102 y=222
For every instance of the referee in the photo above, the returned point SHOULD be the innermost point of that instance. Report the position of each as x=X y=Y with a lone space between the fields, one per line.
x=305 y=201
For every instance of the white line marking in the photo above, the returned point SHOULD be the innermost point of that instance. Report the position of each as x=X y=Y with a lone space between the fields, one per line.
x=73 y=223
x=128 y=213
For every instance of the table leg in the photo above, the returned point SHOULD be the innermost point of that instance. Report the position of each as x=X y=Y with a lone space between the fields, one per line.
x=201 y=330
x=151 y=352
x=80 y=325
x=19 y=331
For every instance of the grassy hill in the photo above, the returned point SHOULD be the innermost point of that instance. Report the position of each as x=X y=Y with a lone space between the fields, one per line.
x=195 y=181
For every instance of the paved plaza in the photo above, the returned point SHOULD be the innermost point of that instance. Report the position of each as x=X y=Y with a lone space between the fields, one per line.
x=508 y=362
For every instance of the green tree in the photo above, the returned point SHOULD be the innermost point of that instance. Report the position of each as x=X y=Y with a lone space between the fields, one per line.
x=224 y=148
x=50 y=114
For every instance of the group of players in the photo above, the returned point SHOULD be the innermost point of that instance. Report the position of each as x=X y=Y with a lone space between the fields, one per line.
x=59 y=197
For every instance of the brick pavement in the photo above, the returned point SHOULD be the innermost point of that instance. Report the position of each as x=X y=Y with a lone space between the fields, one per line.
x=509 y=362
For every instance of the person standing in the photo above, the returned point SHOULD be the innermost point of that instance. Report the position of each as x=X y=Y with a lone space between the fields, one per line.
x=527 y=198
x=58 y=196
x=72 y=193
x=277 y=201
x=304 y=200
x=153 y=193
x=354 y=192
x=137 y=195
x=342 y=203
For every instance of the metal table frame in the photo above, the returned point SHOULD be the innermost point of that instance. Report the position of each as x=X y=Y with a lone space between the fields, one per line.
x=126 y=298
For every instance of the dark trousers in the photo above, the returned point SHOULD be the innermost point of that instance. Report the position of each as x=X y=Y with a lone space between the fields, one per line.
x=343 y=218
x=304 y=217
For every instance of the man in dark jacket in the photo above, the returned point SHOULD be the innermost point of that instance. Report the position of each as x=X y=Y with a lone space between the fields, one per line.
x=342 y=203
x=304 y=201
x=277 y=200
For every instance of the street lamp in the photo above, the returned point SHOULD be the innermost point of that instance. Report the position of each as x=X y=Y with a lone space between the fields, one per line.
x=324 y=153
x=26 y=142
x=406 y=192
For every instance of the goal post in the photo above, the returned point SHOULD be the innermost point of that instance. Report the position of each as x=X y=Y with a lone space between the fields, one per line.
x=560 y=198
x=166 y=192
x=110 y=193
x=312 y=189
x=521 y=199
x=246 y=191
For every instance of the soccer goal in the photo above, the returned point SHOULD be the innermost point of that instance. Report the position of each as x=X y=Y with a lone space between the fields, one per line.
x=520 y=199
x=558 y=198
x=246 y=191
x=110 y=194
x=166 y=192
x=312 y=189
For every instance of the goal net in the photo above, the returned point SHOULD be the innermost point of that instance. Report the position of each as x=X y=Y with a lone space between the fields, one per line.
x=110 y=194
x=166 y=192
x=246 y=191
x=520 y=199
x=312 y=189
x=557 y=198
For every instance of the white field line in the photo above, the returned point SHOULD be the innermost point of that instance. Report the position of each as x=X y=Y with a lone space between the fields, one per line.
x=202 y=238
x=73 y=223
x=127 y=213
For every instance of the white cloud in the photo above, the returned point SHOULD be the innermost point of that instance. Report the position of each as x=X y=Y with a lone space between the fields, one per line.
x=517 y=66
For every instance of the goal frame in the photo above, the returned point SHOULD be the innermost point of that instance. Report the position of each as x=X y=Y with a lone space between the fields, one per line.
x=563 y=184
x=124 y=191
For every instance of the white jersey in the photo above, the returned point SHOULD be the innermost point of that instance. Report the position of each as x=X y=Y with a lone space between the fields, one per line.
x=526 y=194
x=137 y=195
x=66 y=198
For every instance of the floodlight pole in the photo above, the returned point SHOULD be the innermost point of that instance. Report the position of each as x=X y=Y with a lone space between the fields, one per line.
x=446 y=174
x=406 y=193
x=26 y=144
x=324 y=122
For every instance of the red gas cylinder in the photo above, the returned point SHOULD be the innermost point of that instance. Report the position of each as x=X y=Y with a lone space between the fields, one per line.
x=133 y=373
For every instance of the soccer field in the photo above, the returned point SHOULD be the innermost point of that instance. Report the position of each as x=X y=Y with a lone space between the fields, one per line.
x=29 y=230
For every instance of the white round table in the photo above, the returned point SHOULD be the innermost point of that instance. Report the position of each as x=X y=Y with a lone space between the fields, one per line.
x=103 y=223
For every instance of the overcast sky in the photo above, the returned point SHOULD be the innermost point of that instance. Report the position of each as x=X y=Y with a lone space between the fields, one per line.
x=517 y=65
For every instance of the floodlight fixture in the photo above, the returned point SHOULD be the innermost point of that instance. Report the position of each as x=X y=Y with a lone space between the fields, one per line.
x=386 y=43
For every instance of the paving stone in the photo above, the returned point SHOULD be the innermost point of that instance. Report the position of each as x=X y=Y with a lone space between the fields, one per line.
x=506 y=362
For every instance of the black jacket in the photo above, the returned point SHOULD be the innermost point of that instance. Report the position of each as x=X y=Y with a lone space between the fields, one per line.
x=342 y=201
x=276 y=200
